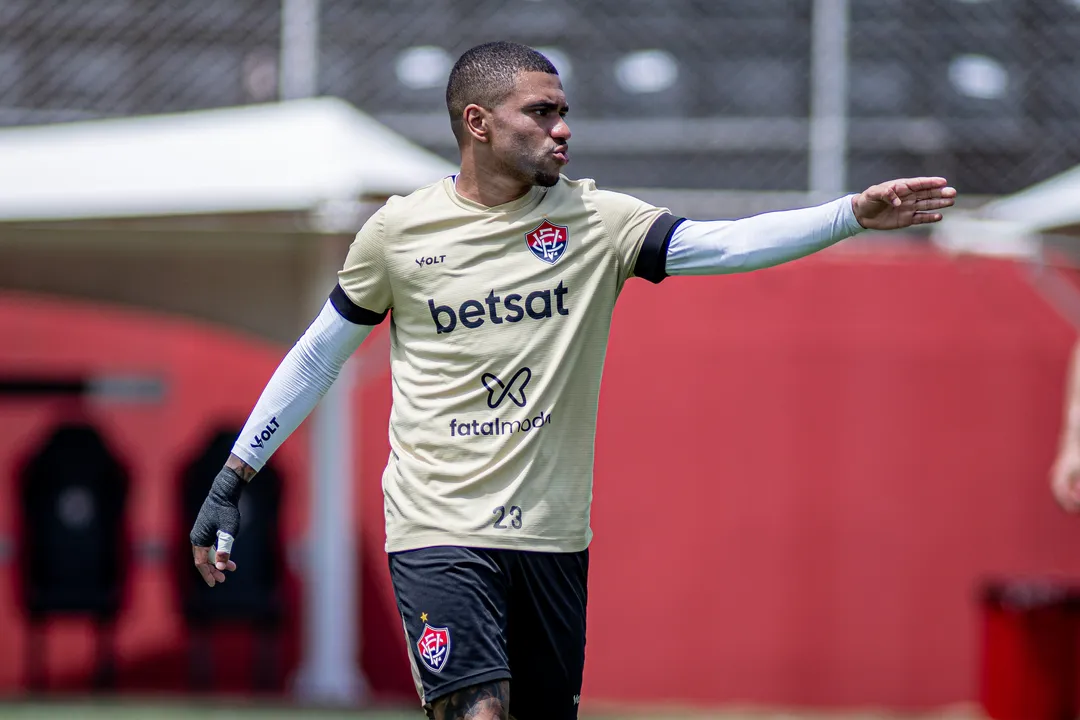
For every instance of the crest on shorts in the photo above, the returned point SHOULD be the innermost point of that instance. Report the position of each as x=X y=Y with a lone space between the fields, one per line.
x=548 y=242
x=434 y=647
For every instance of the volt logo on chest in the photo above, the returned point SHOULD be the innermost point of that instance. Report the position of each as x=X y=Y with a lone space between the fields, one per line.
x=430 y=260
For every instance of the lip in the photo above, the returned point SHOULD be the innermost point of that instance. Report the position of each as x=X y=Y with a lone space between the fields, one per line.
x=562 y=156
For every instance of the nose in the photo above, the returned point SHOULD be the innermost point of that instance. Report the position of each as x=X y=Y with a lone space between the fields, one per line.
x=561 y=131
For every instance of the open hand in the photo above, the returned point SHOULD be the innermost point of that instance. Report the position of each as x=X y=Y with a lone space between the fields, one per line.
x=902 y=203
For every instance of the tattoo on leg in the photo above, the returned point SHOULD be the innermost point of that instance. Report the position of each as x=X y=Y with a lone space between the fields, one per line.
x=490 y=701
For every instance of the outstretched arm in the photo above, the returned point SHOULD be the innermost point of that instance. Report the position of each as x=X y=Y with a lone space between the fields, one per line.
x=716 y=247
x=1065 y=474
x=300 y=381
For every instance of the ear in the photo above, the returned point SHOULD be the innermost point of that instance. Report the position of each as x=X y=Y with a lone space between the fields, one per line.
x=477 y=123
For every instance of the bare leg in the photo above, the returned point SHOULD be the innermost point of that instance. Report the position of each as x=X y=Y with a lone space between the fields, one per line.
x=490 y=701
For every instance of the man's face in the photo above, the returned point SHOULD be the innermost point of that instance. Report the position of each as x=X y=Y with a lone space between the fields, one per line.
x=530 y=136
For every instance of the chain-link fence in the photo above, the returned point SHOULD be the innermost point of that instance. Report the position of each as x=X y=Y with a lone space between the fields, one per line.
x=665 y=93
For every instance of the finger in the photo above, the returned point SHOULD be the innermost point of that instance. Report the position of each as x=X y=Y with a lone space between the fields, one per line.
x=892 y=194
x=207 y=576
x=925 y=183
x=934 y=204
x=885 y=193
x=222 y=561
x=947 y=192
x=921 y=218
x=224 y=550
x=210 y=575
x=202 y=563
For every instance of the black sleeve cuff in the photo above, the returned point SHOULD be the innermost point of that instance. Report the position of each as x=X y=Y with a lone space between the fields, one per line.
x=652 y=258
x=353 y=312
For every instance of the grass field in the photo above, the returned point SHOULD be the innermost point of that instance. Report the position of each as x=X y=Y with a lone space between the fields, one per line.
x=116 y=710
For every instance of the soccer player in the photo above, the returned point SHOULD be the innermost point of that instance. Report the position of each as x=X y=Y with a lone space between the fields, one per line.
x=501 y=281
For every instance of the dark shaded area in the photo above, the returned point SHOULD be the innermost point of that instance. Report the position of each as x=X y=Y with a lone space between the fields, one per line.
x=73 y=491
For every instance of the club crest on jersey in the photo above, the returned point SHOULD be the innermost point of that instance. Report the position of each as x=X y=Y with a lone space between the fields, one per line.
x=434 y=647
x=548 y=242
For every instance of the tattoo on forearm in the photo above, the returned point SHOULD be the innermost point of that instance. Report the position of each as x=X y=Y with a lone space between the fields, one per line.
x=245 y=471
x=479 y=702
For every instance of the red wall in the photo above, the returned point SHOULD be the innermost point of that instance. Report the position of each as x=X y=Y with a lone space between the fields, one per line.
x=802 y=475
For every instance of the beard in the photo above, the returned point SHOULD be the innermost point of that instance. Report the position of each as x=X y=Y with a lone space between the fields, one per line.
x=538 y=169
x=542 y=170
x=545 y=178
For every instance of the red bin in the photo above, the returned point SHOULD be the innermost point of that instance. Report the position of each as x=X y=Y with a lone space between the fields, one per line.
x=1029 y=653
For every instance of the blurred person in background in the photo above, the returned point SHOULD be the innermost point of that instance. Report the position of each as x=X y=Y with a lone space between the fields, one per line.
x=1065 y=473
x=502 y=280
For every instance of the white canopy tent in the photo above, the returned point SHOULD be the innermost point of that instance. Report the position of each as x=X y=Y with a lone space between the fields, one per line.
x=1017 y=225
x=1052 y=206
x=292 y=156
x=136 y=195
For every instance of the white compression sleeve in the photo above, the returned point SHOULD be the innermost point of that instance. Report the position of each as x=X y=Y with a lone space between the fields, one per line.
x=729 y=246
x=300 y=381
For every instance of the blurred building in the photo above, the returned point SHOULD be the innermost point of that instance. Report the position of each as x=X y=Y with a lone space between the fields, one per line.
x=665 y=93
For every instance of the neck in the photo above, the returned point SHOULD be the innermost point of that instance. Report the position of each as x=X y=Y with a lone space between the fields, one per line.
x=485 y=185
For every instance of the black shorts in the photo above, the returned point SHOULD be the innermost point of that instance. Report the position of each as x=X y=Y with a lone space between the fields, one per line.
x=475 y=616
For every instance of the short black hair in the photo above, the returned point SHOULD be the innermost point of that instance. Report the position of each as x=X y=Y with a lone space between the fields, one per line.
x=485 y=75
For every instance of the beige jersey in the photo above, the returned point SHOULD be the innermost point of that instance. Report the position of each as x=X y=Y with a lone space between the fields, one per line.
x=499 y=327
